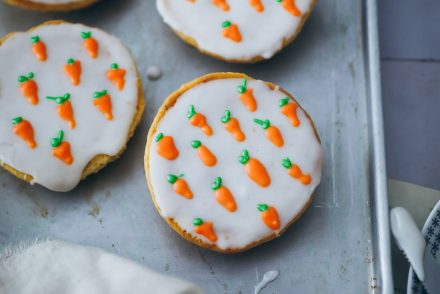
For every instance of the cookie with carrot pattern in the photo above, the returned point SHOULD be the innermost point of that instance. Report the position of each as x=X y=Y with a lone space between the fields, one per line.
x=51 y=5
x=245 y=182
x=245 y=31
x=70 y=100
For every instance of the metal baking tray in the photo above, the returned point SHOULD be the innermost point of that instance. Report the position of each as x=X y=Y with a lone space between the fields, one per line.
x=340 y=244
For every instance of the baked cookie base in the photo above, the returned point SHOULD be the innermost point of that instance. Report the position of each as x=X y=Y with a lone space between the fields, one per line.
x=168 y=103
x=100 y=160
x=191 y=41
x=27 y=4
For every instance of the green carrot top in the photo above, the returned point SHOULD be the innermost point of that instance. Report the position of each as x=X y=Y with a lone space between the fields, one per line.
x=242 y=88
x=26 y=78
x=226 y=117
x=263 y=123
x=55 y=142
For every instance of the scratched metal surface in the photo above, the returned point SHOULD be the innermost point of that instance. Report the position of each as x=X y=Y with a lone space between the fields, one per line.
x=330 y=249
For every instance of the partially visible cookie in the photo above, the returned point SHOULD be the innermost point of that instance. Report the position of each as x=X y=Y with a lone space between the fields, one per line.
x=244 y=31
x=51 y=5
x=70 y=99
x=231 y=161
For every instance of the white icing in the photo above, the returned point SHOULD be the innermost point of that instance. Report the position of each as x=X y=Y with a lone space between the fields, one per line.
x=268 y=277
x=287 y=195
x=93 y=134
x=262 y=33
x=154 y=72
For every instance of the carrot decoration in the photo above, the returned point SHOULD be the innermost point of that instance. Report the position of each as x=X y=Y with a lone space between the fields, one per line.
x=255 y=169
x=180 y=186
x=38 y=48
x=103 y=102
x=198 y=120
x=64 y=108
x=223 y=195
x=222 y=4
x=25 y=131
x=290 y=6
x=117 y=76
x=247 y=96
x=90 y=44
x=29 y=88
x=269 y=215
x=165 y=147
x=61 y=149
x=296 y=172
x=73 y=70
x=205 y=154
x=231 y=31
x=257 y=5
x=272 y=132
x=289 y=110
x=232 y=125
x=204 y=229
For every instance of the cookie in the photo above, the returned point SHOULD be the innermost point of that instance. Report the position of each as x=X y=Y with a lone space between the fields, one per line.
x=70 y=99
x=231 y=161
x=51 y=5
x=236 y=31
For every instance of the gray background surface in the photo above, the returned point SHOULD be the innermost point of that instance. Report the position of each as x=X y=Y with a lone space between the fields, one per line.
x=410 y=55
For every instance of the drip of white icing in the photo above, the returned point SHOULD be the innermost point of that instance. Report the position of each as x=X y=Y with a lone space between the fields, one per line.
x=262 y=33
x=154 y=72
x=268 y=277
x=93 y=134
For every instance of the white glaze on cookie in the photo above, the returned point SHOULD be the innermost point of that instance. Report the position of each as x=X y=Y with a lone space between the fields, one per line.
x=93 y=134
x=241 y=228
x=262 y=33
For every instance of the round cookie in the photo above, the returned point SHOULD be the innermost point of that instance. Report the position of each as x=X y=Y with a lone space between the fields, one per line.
x=236 y=31
x=70 y=99
x=51 y=5
x=231 y=161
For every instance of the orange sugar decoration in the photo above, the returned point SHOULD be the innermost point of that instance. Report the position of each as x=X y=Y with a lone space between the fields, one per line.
x=165 y=147
x=222 y=4
x=73 y=70
x=255 y=169
x=231 y=31
x=199 y=120
x=64 y=108
x=103 y=101
x=117 y=76
x=247 y=96
x=180 y=186
x=39 y=48
x=269 y=215
x=296 y=172
x=61 y=149
x=90 y=44
x=29 y=88
x=290 y=111
x=290 y=6
x=24 y=130
x=205 y=229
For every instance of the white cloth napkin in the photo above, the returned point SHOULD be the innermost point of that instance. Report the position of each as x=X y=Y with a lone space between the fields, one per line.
x=56 y=267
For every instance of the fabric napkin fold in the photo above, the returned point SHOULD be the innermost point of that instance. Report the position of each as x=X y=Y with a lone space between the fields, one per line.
x=57 y=267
